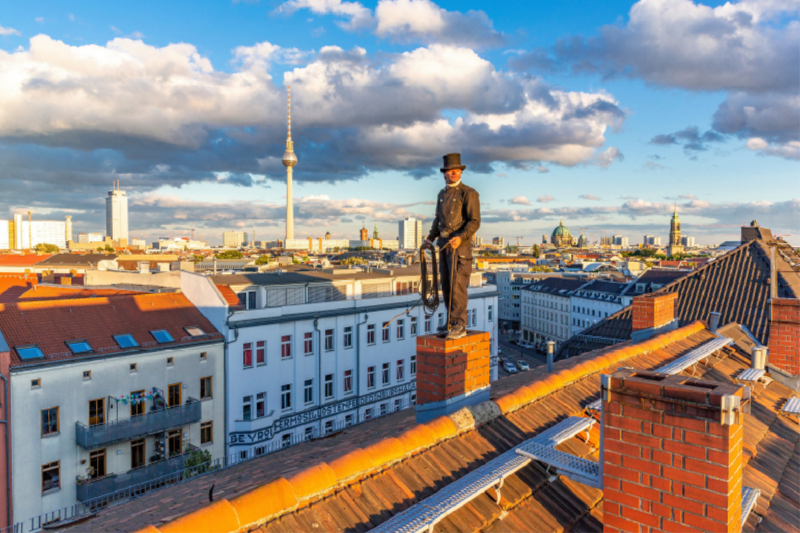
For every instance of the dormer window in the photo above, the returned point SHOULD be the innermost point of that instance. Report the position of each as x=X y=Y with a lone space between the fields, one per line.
x=79 y=347
x=126 y=340
x=162 y=336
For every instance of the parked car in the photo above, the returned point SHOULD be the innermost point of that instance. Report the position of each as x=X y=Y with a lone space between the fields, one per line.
x=509 y=367
x=523 y=365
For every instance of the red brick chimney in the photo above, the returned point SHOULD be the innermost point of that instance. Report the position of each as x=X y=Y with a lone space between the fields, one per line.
x=784 y=335
x=672 y=453
x=653 y=313
x=451 y=374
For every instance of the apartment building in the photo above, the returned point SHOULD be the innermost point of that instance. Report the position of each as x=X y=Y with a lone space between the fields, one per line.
x=311 y=351
x=596 y=301
x=546 y=310
x=106 y=393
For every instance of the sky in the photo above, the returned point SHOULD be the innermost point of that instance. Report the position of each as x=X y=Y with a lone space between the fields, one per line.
x=604 y=114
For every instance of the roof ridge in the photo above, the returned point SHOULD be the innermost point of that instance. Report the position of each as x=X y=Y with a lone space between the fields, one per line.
x=284 y=495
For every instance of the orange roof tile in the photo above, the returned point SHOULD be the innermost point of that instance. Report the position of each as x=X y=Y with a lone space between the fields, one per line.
x=45 y=292
x=12 y=286
x=22 y=260
x=230 y=297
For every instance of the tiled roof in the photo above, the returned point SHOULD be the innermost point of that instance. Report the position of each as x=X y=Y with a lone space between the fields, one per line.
x=735 y=285
x=49 y=292
x=557 y=285
x=22 y=260
x=376 y=480
x=12 y=286
x=230 y=297
x=77 y=259
x=658 y=276
x=50 y=323
x=608 y=287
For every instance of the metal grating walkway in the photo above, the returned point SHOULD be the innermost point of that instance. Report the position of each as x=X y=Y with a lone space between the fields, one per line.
x=749 y=497
x=751 y=375
x=695 y=356
x=574 y=467
x=564 y=430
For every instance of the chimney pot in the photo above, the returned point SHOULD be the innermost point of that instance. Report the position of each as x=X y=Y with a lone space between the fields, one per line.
x=758 y=359
x=550 y=350
x=713 y=321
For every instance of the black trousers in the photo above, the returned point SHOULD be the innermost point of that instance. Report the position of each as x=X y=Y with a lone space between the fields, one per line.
x=455 y=267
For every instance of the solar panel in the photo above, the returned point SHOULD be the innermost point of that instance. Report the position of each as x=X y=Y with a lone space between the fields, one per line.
x=29 y=352
x=78 y=347
x=162 y=336
x=126 y=340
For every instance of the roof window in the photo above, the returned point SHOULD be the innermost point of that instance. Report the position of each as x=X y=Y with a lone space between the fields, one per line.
x=79 y=347
x=29 y=352
x=126 y=340
x=194 y=331
x=162 y=336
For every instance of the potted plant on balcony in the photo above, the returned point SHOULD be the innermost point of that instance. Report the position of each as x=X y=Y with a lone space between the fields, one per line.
x=79 y=479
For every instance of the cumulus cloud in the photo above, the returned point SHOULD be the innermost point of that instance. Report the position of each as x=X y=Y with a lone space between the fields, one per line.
x=545 y=199
x=590 y=197
x=355 y=15
x=789 y=150
x=520 y=200
x=687 y=197
x=5 y=32
x=606 y=157
x=689 y=138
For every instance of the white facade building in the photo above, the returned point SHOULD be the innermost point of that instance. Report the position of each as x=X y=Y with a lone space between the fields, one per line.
x=619 y=240
x=117 y=214
x=308 y=352
x=596 y=301
x=234 y=239
x=509 y=286
x=687 y=242
x=86 y=238
x=410 y=231
x=41 y=231
x=651 y=240
x=546 y=310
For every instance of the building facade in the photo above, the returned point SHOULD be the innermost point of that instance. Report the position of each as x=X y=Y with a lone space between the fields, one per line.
x=651 y=240
x=621 y=241
x=410 y=231
x=117 y=214
x=688 y=242
x=675 y=246
x=595 y=301
x=561 y=236
x=546 y=310
x=86 y=238
x=234 y=239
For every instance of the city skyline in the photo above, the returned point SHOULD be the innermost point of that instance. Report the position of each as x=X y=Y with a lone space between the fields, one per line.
x=535 y=100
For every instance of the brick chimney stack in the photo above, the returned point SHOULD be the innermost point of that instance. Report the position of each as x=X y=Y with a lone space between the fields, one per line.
x=784 y=335
x=653 y=314
x=451 y=374
x=672 y=453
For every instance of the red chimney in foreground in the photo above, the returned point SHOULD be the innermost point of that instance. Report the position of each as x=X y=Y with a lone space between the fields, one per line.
x=784 y=335
x=672 y=453
x=653 y=310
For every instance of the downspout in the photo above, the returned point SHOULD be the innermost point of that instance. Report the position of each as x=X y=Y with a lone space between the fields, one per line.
x=319 y=371
x=225 y=358
x=8 y=449
x=358 y=358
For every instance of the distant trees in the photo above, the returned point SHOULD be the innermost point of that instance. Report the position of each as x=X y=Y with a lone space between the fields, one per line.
x=46 y=248
x=513 y=249
x=536 y=251
x=353 y=261
x=540 y=268
x=230 y=254
x=263 y=260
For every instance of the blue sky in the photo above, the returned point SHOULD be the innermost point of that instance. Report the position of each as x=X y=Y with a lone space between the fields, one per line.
x=600 y=113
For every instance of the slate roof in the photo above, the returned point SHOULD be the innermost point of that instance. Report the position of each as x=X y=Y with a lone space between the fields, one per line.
x=735 y=284
x=363 y=483
x=50 y=323
x=608 y=287
x=308 y=275
x=657 y=276
x=557 y=286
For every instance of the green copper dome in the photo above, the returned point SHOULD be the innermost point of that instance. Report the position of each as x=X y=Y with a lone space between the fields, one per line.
x=561 y=230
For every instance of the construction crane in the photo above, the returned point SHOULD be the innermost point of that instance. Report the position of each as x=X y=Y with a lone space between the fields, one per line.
x=518 y=238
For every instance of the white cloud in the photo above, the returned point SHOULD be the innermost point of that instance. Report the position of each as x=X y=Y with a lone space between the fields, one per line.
x=520 y=200
x=606 y=157
x=40 y=20
x=590 y=197
x=789 y=150
x=116 y=30
x=5 y=32
x=355 y=14
x=545 y=199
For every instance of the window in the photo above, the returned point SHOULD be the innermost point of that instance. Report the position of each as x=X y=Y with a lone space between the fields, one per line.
x=286 y=346
x=385 y=374
x=385 y=332
x=194 y=331
x=329 y=427
x=126 y=340
x=258 y=451
x=79 y=347
x=308 y=391
x=286 y=440
x=203 y=356
x=383 y=409
x=441 y=320
x=261 y=352
x=427 y=325
x=397 y=404
x=137 y=402
x=247 y=408
x=309 y=433
x=370 y=334
x=400 y=369
x=261 y=404
x=137 y=453
x=348 y=381
x=401 y=330
x=328 y=386
x=348 y=337
x=368 y=414
x=489 y=314
x=51 y=478
x=328 y=340
x=162 y=336
x=97 y=462
x=286 y=396
x=174 y=442
x=97 y=411
x=50 y=421
x=413 y=326
x=36 y=383
x=174 y=395
x=413 y=366
x=87 y=375
x=473 y=315
x=29 y=352
x=348 y=420
x=134 y=367
x=308 y=343
x=206 y=391
x=251 y=300
x=370 y=377
x=170 y=361
x=247 y=354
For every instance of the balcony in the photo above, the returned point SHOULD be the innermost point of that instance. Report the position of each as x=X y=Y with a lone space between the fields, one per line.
x=96 y=488
x=89 y=437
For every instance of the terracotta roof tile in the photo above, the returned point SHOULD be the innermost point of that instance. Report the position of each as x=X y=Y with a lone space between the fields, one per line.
x=45 y=292
x=12 y=286
x=22 y=260
x=230 y=297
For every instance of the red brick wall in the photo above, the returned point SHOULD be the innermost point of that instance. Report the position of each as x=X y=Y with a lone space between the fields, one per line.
x=669 y=466
x=449 y=368
x=784 y=335
x=651 y=311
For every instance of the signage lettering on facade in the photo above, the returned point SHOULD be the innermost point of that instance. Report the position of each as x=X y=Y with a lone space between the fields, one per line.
x=247 y=438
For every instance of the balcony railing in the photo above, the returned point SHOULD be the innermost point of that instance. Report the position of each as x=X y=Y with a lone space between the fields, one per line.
x=95 y=488
x=149 y=423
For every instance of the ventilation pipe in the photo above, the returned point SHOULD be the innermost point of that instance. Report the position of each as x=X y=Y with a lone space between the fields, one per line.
x=759 y=357
x=550 y=349
x=713 y=321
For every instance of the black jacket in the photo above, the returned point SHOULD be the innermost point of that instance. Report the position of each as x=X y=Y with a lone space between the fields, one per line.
x=458 y=213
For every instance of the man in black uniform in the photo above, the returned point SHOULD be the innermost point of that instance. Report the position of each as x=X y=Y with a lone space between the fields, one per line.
x=458 y=217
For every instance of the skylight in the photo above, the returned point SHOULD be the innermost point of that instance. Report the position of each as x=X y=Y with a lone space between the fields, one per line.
x=162 y=336
x=126 y=340
x=29 y=352
x=194 y=331
x=79 y=346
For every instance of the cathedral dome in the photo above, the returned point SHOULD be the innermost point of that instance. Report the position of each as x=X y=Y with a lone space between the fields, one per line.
x=562 y=231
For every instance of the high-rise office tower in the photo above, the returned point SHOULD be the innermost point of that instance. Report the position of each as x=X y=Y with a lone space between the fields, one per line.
x=117 y=213
x=410 y=234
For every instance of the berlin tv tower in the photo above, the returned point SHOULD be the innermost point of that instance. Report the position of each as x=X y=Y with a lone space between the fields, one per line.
x=289 y=160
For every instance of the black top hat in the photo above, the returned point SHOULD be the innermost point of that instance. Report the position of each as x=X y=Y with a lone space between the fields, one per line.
x=452 y=161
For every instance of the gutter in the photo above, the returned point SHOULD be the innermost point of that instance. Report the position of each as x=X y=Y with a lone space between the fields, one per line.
x=319 y=370
x=8 y=449
x=358 y=355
